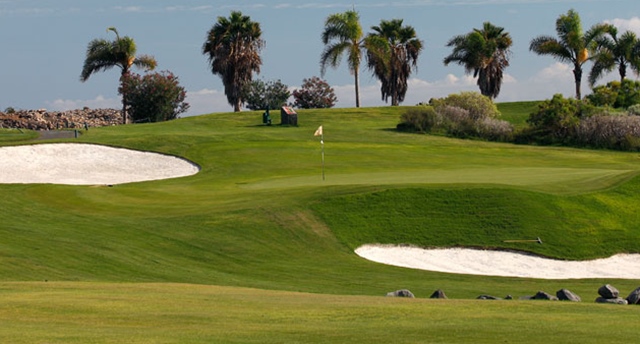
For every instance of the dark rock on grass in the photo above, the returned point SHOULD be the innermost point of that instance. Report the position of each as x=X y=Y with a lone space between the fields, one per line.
x=608 y=291
x=617 y=301
x=488 y=297
x=541 y=295
x=567 y=295
x=401 y=293
x=438 y=294
x=634 y=297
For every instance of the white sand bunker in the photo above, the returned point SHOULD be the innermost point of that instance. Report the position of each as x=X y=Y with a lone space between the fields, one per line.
x=501 y=263
x=86 y=164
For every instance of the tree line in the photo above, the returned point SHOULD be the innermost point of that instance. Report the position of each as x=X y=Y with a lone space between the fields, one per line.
x=233 y=46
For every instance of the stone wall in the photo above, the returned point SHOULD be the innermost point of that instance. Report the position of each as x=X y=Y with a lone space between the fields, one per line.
x=52 y=120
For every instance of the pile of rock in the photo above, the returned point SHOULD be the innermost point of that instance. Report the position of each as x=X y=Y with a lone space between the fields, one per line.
x=608 y=294
x=52 y=120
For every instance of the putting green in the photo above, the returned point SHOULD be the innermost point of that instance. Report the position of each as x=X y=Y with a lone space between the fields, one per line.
x=555 y=180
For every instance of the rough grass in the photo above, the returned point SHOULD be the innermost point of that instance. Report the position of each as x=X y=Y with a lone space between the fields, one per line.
x=170 y=313
x=258 y=215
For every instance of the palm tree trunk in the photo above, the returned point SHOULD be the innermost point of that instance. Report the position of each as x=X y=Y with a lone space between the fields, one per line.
x=577 y=73
x=357 y=88
x=237 y=106
x=623 y=71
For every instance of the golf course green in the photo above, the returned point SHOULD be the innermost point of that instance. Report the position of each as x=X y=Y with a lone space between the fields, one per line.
x=258 y=248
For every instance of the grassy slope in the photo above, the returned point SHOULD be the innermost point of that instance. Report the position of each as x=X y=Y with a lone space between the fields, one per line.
x=246 y=219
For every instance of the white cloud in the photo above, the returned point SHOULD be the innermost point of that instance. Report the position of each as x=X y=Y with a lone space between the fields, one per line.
x=623 y=25
x=206 y=101
x=99 y=102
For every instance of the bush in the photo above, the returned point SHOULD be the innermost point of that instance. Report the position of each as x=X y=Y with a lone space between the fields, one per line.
x=314 y=94
x=419 y=119
x=479 y=106
x=262 y=95
x=154 y=97
x=607 y=131
x=634 y=110
x=615 y=94
x=454 y=121
x=461 y=123
x=555 y=118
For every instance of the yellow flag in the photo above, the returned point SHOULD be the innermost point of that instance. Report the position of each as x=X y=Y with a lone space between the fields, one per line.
x=318 y=131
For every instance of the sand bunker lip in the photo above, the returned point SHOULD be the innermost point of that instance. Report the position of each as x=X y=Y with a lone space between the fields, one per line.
x=87 y=164
x=501 y=263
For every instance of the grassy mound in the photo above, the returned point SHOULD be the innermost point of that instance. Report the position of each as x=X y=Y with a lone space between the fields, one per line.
x=259 y=215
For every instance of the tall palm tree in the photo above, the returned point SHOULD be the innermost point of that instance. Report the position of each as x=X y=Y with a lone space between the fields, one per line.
x=392 y=51
x=613 y=50
x=103 y=55
x=571 y=46
x=343 y=35
x=486 y=53
x=233 y=48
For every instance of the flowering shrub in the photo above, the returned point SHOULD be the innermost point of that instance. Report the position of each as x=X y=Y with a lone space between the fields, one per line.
x=314 y=94
x=154 y=97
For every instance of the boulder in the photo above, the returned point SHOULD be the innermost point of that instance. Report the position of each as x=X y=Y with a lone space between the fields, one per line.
x=488 y=297
x=401 y=293
x=608 y=291
x=617 y=301
x=567 y=295
x=634 y=297
x=541 y=295
x=438 y=294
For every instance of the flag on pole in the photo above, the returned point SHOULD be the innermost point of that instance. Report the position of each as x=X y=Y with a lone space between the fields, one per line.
x=318 y=131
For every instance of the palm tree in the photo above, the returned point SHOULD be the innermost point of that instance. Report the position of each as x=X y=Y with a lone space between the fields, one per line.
x=392 y=49
x=233 y=48
x=486 y=53
x=613 y=50
x=103 y=55
x=343 y=35
x=571 y=46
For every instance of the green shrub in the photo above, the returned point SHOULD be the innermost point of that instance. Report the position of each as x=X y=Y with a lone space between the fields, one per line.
x=555 y=119
x=419 y=119
x=616 y=94
x=634 y=110
x=262 y=95
x=479 y=106
x=154 y=97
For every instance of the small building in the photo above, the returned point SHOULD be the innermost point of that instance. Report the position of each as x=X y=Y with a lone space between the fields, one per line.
x=288 y=116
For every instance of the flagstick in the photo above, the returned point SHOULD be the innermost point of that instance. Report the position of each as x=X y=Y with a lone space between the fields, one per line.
x=322 y=144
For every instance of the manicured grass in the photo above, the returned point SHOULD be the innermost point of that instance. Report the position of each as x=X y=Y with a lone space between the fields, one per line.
x=517 y=113
x=169 y=313
x=259 y=215
x=14 y=135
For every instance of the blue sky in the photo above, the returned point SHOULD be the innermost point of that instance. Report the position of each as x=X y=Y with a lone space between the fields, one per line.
x=43 y=46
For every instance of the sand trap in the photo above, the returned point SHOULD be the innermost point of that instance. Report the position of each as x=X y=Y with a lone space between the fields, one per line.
x=86 y=164
x=501 y=263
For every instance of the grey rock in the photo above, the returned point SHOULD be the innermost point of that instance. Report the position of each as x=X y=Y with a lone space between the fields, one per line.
x=608 y=291
x=634 y=297
x=488 y=297
x=438 y=294
x=567 y=295
x=617 y=301
x=401 y=293
x=541 y=295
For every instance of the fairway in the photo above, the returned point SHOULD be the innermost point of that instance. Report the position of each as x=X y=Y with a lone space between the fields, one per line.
x=257 y=248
